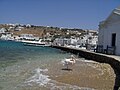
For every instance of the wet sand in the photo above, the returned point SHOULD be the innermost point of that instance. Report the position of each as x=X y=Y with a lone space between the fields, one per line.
x=84 y=74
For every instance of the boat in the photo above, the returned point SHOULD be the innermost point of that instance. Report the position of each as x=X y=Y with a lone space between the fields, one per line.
x=35 y=43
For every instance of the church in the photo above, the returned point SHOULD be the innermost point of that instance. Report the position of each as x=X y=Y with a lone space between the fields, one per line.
x=109 y=33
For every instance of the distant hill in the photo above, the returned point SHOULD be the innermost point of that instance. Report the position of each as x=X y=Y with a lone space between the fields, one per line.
x=42 y=31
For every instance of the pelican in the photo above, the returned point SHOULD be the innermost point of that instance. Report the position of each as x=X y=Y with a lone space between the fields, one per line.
x=69 y=61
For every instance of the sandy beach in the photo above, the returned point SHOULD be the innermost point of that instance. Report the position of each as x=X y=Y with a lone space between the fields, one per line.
x=38 y=68
x=84 y=74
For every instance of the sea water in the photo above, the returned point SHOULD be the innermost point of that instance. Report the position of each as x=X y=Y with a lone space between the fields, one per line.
x=26 y=67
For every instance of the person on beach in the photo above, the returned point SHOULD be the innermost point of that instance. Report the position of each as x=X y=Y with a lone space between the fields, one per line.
x=69 y=61
x=72 y=59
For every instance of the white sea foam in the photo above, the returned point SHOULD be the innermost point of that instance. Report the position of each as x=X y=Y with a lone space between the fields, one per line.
x=39 y=78
x=44 y=80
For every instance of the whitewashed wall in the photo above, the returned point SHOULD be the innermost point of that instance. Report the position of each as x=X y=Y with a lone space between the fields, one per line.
x=105 y=35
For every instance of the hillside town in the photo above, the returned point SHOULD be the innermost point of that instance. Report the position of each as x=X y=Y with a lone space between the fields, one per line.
x=77 y=38
x=60 y=45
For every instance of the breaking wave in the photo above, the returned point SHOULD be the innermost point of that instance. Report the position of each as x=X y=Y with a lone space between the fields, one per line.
x=44 y=80
x=38 y=77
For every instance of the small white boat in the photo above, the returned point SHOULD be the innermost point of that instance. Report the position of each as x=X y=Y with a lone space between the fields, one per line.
x=34 y=43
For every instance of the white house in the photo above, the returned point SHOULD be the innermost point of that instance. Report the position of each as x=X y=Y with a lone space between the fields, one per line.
x=28 y=25
x=93 y=40
x=3 y=30
x=61 y=41
x=73 y=41
x=82 y=41
x=88 y=39
x=109 y=31
x=27 y=36
x=7 y=36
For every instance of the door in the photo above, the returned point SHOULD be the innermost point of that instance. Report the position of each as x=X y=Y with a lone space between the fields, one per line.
x=113 y=42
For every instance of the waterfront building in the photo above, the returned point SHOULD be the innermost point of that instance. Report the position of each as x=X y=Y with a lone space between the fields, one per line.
x=7 y=36
x=94 y=40
x=82 y=41
x=73 y=41
x=61 y=41
x=109 y=33
x=27 y=36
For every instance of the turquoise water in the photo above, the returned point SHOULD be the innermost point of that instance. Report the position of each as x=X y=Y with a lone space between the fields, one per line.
x=11 y=52
x=27 y=67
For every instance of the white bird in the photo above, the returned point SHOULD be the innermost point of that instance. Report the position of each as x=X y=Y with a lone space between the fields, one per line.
x=69 y=61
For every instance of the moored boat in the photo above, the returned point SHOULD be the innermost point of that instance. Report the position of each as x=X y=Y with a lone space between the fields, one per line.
x=35 y=43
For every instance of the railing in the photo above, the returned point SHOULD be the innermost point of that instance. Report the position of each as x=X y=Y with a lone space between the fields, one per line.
x=99 y=49
x=111 y=50
x=108 y=50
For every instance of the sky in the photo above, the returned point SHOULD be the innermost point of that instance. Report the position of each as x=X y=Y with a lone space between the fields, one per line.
x=84 y=14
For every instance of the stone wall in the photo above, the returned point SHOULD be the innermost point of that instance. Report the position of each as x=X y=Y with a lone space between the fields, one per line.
x=101 y=58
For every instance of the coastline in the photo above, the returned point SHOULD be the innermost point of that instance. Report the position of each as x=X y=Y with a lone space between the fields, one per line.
x=85 y=74
x=112 y=60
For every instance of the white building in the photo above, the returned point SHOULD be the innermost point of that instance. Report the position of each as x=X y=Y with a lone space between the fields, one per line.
x=82 y=41
x=27 y=36
x=93 y=40
x=3 y=30
x=7 y=36
x=11 y=28
x=61 y=41
x=73 y=41
x=109 y=31
x=28 y=25
x=88 y=39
